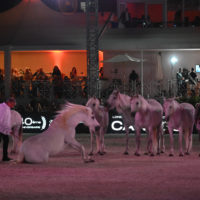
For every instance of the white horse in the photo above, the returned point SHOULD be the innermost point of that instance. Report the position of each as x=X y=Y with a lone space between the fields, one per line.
x=16 y=134
x=197 y=118
x=180 y=116
x=148 y=114
x=122 y=104
x=101 y=114
x=38 y=148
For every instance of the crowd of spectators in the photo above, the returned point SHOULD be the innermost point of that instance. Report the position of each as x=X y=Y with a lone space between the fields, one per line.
x=126 y=21
x=41 y=90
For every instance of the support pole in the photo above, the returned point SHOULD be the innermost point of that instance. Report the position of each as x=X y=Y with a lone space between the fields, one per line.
x=142 y=74
x=7 y=69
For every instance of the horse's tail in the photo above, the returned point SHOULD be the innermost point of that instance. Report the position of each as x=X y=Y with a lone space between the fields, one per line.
x=20 y=133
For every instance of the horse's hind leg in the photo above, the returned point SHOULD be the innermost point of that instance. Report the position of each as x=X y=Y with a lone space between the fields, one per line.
x=127 y=139
x=188 y=144
x=137 y=130
x=180 y=142
x=153 y=133
x=171 y=142
x=149 y=143
x=162 y=140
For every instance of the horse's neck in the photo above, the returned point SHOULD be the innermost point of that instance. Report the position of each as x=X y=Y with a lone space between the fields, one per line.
x=145 y=105
x=66 y=121
x=124 y=102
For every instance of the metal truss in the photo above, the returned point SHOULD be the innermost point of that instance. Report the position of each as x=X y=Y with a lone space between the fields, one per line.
x=92 y=47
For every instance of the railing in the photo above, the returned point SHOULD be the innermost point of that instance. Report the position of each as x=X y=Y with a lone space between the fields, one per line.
x=39 y=96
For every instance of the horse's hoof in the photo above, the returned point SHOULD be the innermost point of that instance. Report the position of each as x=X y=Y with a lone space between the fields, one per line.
x=146 y=153
x=199 y=155
x=162 y=151
x=158 y=153
x=171 y=155
x=152 y=155
x=90 y=154
x=181 y=154
x=187 y=153
x=137 y=154
x=89 y=161
x=126 y=153
x=100 y=153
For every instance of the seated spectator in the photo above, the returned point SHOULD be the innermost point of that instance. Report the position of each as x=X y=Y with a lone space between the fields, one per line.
x=39 y=75
x=28 y=74
x=15 y=74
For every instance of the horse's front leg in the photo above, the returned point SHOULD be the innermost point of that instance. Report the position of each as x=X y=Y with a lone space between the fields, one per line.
x=171 y=141
x=180 y=138
x=137 y=138
x=127 y=139
x=98 y=142
x=77 y=146
x=91 y=143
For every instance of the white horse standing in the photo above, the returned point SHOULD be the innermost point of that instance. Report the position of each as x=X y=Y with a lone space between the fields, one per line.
x=197 y=118
x=16 y=134
x=122 y=104
x=38 y=148
x=180 y=116
x=101 y=115
x=148 y=114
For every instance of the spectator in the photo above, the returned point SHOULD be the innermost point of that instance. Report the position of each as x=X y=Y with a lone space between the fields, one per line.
x=40 y=75
x=179 y=79
x=28 y=74
x=125 y=18
x=192 y=81
x=57 y=82
x=133 y=80
x=73 y=73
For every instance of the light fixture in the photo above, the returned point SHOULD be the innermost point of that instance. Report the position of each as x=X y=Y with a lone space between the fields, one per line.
x=173 y=60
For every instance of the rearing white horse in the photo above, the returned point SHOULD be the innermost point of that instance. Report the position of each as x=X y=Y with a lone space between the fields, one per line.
x=148 y=114
x=38 y=148
x=122 y=104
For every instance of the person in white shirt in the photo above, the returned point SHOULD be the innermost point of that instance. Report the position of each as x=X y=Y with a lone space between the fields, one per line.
x=5 y=125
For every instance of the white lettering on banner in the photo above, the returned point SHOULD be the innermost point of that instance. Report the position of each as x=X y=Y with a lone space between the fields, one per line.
x=29 y=123
x=44 y=122
x=118 y=126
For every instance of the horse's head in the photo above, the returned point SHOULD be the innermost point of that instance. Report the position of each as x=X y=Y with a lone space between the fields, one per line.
x=113 y=99
x=168 y=108
x=93 y=103
x=136 y=104
x=90 y=120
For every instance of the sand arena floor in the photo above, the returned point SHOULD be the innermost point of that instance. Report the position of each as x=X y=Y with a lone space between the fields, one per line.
x=113 y=176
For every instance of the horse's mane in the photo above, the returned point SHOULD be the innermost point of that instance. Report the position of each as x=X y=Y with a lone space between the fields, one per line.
x=71 y=109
